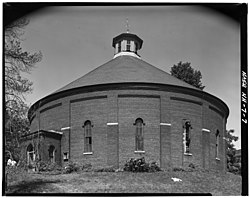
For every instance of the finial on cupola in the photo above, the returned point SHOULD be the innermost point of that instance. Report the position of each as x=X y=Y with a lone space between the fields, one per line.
x=127 y=25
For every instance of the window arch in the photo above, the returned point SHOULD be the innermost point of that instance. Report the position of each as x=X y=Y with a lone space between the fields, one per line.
x=30 y=154
x=139 y=139
x=52 y=156
x=87 y=137
x=217 y=135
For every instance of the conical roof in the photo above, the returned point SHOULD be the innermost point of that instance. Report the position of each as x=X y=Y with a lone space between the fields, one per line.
x=125 y=69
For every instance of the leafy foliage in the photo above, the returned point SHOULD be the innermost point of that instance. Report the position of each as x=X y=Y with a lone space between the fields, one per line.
x=233 y=165
x=87 y=167
x=14 y=128
x=48 y=167
x=140 y=165
x=185 y=72
x=17 y=62
x=71 y=167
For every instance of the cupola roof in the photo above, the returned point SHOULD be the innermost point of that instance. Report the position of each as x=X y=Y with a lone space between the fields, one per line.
x=127 y=36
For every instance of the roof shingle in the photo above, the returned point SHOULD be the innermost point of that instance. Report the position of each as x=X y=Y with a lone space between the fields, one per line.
x=124 y=69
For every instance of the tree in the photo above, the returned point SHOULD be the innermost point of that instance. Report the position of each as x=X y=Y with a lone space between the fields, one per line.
x=17 y=62
x=185 y=72
x=232 y=164
x=14 y=128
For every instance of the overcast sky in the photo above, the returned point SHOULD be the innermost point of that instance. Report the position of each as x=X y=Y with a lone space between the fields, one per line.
x=76 y=40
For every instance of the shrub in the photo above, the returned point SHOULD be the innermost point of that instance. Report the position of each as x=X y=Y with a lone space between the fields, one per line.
x=140 y=165
x=154 y=167
x=71 y=167
x=48 y=167
x=191 y=165
x=14 y=173
x=178 y=169
x=234 y=168
x=86 y=167
x=30 y=166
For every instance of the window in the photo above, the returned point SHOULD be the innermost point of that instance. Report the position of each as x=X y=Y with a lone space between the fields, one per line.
x=186 y=137
x=128 y=45
x=119 y=46
x=52 y=156
x=87 y=137
x=217 y=135
x=139 y=135
x=30 y=154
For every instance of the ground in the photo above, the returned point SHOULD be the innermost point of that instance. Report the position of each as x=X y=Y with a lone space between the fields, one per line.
x=128 y=182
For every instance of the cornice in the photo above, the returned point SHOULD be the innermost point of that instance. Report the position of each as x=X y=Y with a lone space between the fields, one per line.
x=132 y=86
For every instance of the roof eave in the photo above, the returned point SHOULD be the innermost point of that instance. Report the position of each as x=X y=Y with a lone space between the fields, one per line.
x=130 y=85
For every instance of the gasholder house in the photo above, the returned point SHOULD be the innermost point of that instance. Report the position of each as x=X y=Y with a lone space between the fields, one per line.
x=128 y=108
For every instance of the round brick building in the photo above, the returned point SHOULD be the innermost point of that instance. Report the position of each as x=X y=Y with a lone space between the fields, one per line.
x=128 y=108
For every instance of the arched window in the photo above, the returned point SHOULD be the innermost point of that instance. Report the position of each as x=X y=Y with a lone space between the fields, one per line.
x=139 y=143
x=52 y=156
x=87 y=137
x=217 y=135
x=186 y=136
x=30 y=154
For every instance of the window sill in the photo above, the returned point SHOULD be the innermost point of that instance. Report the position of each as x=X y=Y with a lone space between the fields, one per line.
x=88 y=153
x=218 y=159
x=188 y=154
x=139 y=151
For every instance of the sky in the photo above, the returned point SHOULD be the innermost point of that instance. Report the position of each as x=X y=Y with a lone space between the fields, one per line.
x=76 y=40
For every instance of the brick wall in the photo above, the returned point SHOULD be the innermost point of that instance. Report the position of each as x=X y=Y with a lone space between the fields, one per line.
x=112 y=130
x=51 y=117
x=114 y=144
x=46 y=140
x=180 y=111
x=216 y=123
x=54 y=140
x=148 y=109
x=94 y=110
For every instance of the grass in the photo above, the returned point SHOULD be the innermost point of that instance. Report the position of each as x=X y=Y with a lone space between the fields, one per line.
x=127 y=182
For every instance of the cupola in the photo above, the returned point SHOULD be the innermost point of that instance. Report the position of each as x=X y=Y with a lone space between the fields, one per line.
x=127 y=44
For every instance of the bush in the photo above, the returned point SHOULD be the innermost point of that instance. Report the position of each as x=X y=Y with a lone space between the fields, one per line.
x=191 y=165
x=178 y=169
x=234 y=168
x=48 y=167
x=71 y=167
x=86 y=167
x=14 y=173
x=140 y=165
